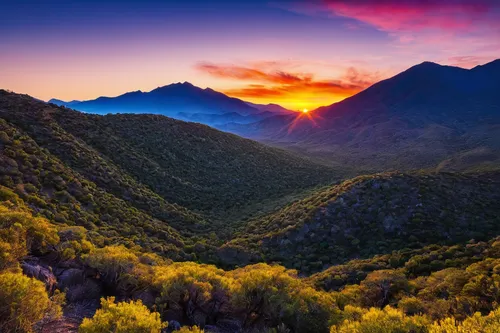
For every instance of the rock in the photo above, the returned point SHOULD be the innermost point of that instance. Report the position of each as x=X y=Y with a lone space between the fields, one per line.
x=211 y=329
x=174 y=325
x=147 y=297
x=70 y=277
x=229 y=326
x=88 y=290
x=41 y=273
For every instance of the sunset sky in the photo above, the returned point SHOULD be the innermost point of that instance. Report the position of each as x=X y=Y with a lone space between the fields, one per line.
x=301 y=54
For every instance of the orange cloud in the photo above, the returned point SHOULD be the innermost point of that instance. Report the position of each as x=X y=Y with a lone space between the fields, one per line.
x=245 y=73
x=292 y=89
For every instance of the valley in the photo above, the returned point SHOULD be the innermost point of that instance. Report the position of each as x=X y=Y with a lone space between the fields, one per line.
x=388 y=210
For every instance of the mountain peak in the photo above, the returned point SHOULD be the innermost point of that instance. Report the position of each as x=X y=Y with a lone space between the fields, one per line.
x=61 y=102
x=182 y=84
x=427 y=64
x=492 y=64
x=136 y=92
x=176 y=86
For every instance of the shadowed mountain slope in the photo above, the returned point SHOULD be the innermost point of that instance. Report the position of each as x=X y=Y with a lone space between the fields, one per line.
x=416 y=119
x=157 y=164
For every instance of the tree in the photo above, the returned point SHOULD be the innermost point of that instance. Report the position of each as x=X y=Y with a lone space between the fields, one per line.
x=199 y=293
x=382 y=286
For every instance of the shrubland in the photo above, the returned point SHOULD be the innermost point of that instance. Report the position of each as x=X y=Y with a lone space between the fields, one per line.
x=150 y=291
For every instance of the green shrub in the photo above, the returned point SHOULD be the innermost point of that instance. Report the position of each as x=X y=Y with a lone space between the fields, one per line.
x=21 y=233
x=24 y=302
x=132 y=317
x=388 y=320
x=474 y=324
x=199 y=293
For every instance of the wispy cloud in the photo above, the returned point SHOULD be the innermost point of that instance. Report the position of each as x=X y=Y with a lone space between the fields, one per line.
x=246 y=73
x=437 y=30
x=279 y=83
x=468 y=61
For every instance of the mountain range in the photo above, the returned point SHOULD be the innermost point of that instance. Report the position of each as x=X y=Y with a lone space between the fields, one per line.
x=429 y=116
x=182 y=101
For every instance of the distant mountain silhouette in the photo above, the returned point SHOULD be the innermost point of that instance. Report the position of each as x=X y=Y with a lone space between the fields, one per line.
x=418 y=118
x=59 y=102
x=275 y=108
x=180 y=100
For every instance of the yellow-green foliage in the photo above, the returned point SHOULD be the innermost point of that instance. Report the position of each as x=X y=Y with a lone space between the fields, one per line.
x=272 y=295
x=24 y=302
x=199 y=291
x=123 y=317
x=21 y=233
x=474 y=324
x=388 y=320
x=379 y=288
x=124 y=269
x=114 y=262
x=262 y=295
x=74 y=242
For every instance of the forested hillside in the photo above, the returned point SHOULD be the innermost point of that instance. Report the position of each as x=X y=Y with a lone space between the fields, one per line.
x=375 y=214
x=164 y=173
x=141 y=223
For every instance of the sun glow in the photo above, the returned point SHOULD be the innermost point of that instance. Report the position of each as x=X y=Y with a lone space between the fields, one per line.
x=303 y=118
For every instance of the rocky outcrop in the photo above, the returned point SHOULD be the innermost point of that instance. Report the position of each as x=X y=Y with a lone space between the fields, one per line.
x=42 y=273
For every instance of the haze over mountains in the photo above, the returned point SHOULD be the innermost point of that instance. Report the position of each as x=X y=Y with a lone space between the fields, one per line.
x=429 y=116
x=181 y=101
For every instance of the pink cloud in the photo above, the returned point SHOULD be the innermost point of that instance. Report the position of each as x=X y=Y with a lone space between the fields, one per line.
x=405 y=15
x=469 y=61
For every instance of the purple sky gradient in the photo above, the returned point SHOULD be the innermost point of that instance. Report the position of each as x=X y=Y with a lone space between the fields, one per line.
x=82 y=50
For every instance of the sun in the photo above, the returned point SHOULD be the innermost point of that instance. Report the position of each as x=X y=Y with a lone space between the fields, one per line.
x=305 y=110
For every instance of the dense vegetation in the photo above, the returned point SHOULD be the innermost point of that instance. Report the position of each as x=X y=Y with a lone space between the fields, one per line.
x=89 y=244
x=126 y=177
x=188 y=164
x=423 y=288
x=375 y=214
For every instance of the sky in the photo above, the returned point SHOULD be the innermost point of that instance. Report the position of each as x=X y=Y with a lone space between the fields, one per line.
x=300 y=54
